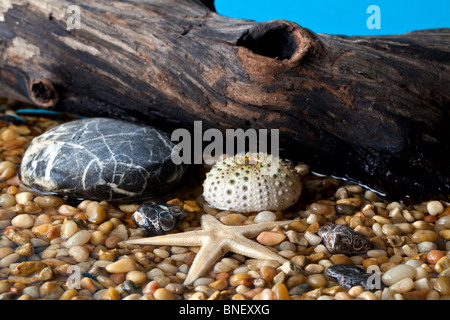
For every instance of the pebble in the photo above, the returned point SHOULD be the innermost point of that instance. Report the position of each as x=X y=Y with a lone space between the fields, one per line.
x=67 y=210
x=88 y=284
x=270 y=238
x=219 y=285
x=111 y=294
x=340 y=259
x=346 y=209
x=7 y=200
x=314 y=268
x=300 y=289
x=78 y=239
x=316 y=280
x=442 y=264
x=398 y=273
x=176 y=288
x=121 y=266
x=265 y=216
x=49 y=201
x=445 y=234
x=79 y=253
x=391 y=230
x=9 y=259
x=95 y=213
x=321 y=209
x=4 y=251
x=23 y=221
x=51 y=290
x=129 y=287
x=111 y=242
x=403 y=285
x=426 y=246
x=367 y=295
x=356 y=291
x=424 y=235
x=236 y=279
x=354 y=202
x=312 y=238
x=7 y=170
x=266 y=294
x=442 y=285
x=161 y=253
x=433 y=256
x=68 y=229
x=24 y=197
x=280 y=292
x=435 y=208
x=343 y=296
x=444 y=222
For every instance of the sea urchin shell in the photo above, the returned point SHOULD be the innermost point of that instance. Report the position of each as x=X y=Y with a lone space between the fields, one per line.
x=252 y=182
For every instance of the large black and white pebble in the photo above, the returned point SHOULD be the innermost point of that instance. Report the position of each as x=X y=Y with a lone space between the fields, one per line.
x=102 y=159
x=342 y=239
x=158 y=217
x=348 y=276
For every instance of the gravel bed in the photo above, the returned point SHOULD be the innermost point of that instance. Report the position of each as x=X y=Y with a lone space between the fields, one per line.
x=55 y=248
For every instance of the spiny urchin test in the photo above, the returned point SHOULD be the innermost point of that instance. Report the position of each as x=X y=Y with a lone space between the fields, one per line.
x=252 y=182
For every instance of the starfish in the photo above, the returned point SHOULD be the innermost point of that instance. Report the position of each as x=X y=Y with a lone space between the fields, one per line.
x=215 y=240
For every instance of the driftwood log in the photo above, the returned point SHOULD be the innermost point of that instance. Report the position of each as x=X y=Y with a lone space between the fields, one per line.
x=373 y=109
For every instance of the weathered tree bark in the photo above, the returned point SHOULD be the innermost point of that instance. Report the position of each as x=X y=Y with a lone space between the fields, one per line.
x=374 y=109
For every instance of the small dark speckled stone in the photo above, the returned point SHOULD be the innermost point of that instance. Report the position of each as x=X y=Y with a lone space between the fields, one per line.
x=342 y=239
x=349 y=276
x=129 y=287
x=102 y=159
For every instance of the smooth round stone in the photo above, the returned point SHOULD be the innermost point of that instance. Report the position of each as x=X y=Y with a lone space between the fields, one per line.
x=426 y=246
x=68 y=229
x=442 y=285
x=121 y=266
x=346 y=209
x=265 y=216
x=79 y=253
x=424 y=235
x=434 y=256
x=398 y=273
x=23 y=221
x=442 y=264
x=50 y=290
x=300 y=289
x=102 y=159
x=163 y=294
x=444 y=222
x=78 y=239
x=270 y=238
x=316 y=280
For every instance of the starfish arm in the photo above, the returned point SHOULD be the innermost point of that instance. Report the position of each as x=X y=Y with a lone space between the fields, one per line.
x=191 y=238
x=252 y=249
x=205 y=258
x=252 y=230
x=208 y=222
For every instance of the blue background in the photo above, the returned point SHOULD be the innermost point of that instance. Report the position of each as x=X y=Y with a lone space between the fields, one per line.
x=343 y=17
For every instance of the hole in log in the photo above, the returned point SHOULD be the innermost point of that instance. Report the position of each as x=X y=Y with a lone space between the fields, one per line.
x=274 y=40
x=43 y=93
